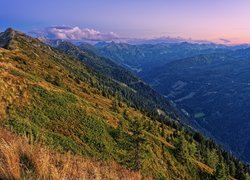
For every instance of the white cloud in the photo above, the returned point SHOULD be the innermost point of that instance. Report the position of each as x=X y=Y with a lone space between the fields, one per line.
x=75 y=34
x=92 y=36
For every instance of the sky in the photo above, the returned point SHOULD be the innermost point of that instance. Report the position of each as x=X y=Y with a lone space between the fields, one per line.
x=225 y=21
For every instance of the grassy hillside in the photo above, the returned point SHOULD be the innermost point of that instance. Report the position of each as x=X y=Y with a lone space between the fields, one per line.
x=145 y=97
x=60 y=103
x=20 y=160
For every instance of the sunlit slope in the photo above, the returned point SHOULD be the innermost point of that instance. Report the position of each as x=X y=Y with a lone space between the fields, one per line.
x=61 y=103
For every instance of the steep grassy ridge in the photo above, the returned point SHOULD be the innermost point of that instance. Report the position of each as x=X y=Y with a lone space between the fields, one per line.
x=61 y=103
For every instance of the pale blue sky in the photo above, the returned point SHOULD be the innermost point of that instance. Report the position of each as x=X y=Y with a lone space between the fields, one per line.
x=198 y=19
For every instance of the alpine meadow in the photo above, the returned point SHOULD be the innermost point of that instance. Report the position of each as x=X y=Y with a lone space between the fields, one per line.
x=125 y=90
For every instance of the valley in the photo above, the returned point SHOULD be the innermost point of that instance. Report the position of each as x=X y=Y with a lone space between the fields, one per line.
x=209 y=88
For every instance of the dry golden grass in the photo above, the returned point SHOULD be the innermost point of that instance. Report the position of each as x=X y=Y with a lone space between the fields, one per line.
x=12 y=89
x=19 y=160
x=167 y=144
x=203 y=167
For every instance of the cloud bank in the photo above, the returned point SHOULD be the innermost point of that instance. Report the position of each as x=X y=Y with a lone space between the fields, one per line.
x=74 y=34
x=89 y=35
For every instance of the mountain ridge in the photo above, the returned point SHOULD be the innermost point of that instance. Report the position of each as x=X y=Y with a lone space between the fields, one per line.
x=109 y=68
x=51 y=98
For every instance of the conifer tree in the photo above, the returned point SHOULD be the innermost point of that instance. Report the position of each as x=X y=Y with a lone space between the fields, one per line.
x=120 y=129
x=240 y=173
x=232 y=168
x=115 y=106
x=182 y=150
x=211 y=158
x=138 y=144
x=220 y=173
x=125 y=114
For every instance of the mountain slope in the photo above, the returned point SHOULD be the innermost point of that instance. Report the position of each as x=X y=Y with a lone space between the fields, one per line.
x=61 y=103
x=213 y=90
x=146 y=96
x=20 y=160
x=208 y=83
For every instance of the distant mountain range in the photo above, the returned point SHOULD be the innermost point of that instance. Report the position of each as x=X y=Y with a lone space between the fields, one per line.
x=147 y=56
x=209 y=83
x=76 y=34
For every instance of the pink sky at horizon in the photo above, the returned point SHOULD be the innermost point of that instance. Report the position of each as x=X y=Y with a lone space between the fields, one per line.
x=197 y=19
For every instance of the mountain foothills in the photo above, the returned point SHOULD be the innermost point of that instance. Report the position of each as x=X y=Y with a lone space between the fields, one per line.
x=69 y=113
x=209 y=83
